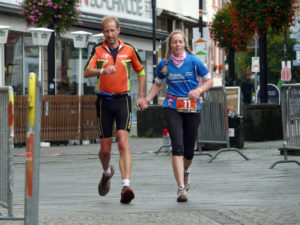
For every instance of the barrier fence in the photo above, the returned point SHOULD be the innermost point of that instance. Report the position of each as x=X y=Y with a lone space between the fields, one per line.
x=59 y=118
x=6 y=151
x=213 y=127
x=290 y=111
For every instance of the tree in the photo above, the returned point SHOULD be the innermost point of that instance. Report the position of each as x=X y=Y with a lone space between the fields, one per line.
x=275 y=56
x=267 y=16
x=227 y=31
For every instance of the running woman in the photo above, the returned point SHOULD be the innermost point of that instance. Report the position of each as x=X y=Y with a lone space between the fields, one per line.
x=183 y=72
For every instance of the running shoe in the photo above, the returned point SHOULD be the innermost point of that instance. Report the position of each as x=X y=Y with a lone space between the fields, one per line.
x=126 y=195
x=187 y=181
x=181 y=196
x=104 y=184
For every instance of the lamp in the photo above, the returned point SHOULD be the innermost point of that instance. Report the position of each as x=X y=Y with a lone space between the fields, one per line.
x=98 y=37
x=80 y=39
x=3 y=34
x=41 y=37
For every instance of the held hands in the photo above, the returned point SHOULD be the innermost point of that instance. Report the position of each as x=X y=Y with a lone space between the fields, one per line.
x=142 y=103
x=194 y=94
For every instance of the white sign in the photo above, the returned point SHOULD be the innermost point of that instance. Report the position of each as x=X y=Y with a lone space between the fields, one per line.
x=205 y=33
x=296 y=47
x=231 y=132
x=294 y=29
x=295 y=63
x=288 y=64
x=298 y=56
x=136 y=10
x=255 y=65
x=200 y=45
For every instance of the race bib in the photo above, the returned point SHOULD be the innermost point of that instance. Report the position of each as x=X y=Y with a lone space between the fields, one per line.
x=186 y=105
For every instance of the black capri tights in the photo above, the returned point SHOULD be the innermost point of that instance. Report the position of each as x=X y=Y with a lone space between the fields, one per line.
x=183 y=129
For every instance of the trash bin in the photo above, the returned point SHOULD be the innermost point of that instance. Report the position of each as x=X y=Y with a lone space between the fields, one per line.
x=236 y=131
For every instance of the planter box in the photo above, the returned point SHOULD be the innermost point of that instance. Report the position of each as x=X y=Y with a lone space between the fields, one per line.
x=150 y=122
x=262 y=122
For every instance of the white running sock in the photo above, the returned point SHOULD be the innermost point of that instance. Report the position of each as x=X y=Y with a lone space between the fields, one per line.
x=125 y=182
x=107 y=172
x=181 y=187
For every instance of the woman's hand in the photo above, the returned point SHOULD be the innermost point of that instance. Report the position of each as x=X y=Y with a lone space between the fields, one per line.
x=142 y=103
x=194 y=94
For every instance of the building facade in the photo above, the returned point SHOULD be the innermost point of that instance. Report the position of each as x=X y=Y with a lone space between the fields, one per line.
x=61 y=69
x=21 y=56
x=61 y=66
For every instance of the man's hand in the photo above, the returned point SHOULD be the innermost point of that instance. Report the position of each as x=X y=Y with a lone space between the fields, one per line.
x=142 y=103
x=109 y=70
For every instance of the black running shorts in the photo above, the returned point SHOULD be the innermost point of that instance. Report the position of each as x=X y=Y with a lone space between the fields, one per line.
x=183 y=130
x=118 y=108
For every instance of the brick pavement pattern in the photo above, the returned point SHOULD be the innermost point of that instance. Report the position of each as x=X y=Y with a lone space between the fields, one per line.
x=228 y=191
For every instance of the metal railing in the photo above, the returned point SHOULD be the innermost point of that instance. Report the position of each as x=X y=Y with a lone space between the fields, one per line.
x=290 y=111
x=6 y=151
x=213 y=127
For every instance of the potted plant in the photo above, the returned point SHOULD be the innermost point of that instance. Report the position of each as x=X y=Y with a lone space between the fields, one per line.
x=54 y=14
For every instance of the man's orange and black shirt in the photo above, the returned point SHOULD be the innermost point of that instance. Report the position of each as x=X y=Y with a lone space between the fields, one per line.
x=118 y=82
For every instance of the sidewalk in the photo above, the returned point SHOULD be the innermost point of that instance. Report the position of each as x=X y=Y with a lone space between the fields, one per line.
x=227 y=191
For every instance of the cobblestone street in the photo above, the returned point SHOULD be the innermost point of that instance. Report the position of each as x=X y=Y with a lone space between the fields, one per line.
x=230 y=190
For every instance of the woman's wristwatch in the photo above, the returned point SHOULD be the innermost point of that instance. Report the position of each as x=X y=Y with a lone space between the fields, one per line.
x=200 y=90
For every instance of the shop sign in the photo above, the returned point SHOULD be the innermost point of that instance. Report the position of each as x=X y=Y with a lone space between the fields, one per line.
x=137 y=10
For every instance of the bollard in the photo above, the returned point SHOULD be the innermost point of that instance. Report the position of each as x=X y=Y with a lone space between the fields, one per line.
x=33 y=151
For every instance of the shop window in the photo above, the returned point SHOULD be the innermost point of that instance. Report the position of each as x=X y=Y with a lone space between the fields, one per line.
x=21 y=58
x=31 y=60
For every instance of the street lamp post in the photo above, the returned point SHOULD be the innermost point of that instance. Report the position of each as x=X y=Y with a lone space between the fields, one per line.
x=200 y=18
x=40 y=37
x=3 y=40
x=80 y=40
x=154 y=59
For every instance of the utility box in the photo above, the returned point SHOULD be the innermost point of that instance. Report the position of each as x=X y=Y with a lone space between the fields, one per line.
x=236 y=131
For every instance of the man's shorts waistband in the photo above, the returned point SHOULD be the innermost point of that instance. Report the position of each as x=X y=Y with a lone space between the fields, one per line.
x=114 y=96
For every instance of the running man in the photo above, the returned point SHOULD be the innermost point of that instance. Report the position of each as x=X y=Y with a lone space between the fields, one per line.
x=110 y=62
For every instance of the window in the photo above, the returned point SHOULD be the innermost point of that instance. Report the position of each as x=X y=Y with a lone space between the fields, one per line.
x=67 y=68
x=21 y=57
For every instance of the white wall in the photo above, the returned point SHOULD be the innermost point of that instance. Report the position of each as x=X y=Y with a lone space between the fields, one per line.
x=14 y=2
x=187 y=7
